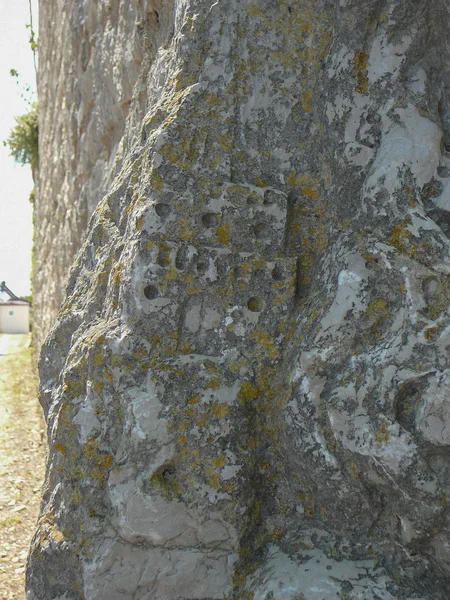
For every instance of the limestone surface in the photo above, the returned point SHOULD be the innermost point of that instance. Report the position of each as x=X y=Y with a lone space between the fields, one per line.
x=247 y=386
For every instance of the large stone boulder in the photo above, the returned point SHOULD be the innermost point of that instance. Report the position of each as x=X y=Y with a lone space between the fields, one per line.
x=247 y=386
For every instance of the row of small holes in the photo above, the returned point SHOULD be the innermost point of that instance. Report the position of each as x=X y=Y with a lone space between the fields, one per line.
x=254 y=304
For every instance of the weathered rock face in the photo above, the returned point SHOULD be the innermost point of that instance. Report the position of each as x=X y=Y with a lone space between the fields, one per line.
x=247 y=386
x=92 y=56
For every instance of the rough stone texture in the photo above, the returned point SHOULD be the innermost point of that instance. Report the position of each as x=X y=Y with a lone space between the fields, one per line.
x=247 y=386
x=92 y=56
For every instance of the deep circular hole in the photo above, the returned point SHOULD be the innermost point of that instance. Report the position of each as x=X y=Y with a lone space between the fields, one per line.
x=181 y=259
x=202 y=266
x=433 y=189
x=168 y=473
x=255 y=304
x=221 y=269
x=270 y=198
x=443 y=172
x=431 y=286
x=163 y=258
x=210 y=219
x=151 y=292
x=444 y=224
x=238 y=272
x=261 y=231
x=253 y=199
x=163 y=210
x=277 y=274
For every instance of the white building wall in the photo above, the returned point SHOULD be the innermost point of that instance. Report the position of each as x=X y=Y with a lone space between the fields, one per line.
x=14 y=318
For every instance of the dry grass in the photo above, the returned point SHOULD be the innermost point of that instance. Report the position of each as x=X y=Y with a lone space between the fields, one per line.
x=22 y=453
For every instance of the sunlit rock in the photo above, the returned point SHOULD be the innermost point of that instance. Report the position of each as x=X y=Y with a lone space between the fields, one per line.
x=246 y=387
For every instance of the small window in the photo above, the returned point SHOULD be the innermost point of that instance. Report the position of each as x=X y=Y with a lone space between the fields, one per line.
x=11 y=313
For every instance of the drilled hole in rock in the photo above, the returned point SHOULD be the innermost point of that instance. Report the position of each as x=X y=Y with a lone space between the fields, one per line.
x=407 y=401
x=277 y=274
x=165 y=473
x=181 y=259
x=163 y=258
x=168 y=473
x=202 y=266
x=151 y=292
x=443 y=172
x=210 y=219
x=270 y=198
x=253 y=199
x=221 y=269
x=238 y=272
x=431 y=286
x=255 y=304
x=444 y=223
x=261 y=231
x=432 y=189
x=163 y=210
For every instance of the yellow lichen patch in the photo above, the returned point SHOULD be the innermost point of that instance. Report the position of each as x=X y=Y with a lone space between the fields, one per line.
x=201 y=421
x=360 y=62
x=116 y=274
x=219 y=461
x=213 y=383
x=156 y=181
x=98 y=358
x=140 y=354
x=106 y=460
x=278 y=533
x=193 y=400
x=211 y=100
x=253 y=10
x=182 y=439
x=377 y=307
x=306 y=100
x=263 y=338
x=260 y=182
x=171 y=274
x=247 y=392
x=185 y=230
x=225 y=143
x=220 y=410
x=223 y=233
x=310 y=192
x=168 y=152
x=430 y=333
x=382 y=435
x=107 y=375
x=309 y=506
x=48 y=531
x=98 y=387
x=184 y=348
x=73 y=388
x=214 y=481
x=400 y=238
x=355 y=472
x=298 y=180
x=60 y=448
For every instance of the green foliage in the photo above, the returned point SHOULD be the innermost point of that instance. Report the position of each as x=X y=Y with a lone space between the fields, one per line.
x=32 y=38
x=23 y=139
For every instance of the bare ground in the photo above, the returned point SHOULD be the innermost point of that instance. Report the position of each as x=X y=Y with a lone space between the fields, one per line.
x=22 y=456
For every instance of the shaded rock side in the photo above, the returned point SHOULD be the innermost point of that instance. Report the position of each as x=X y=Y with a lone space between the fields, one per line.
x=246 y=389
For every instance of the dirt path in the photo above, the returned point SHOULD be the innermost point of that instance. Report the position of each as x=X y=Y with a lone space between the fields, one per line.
x=22 y=454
